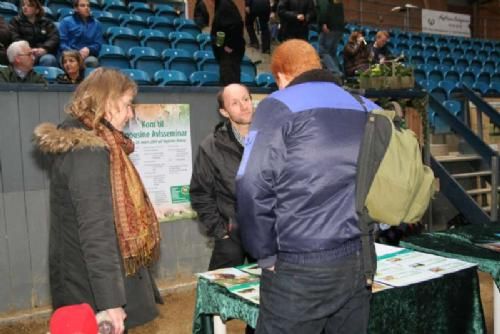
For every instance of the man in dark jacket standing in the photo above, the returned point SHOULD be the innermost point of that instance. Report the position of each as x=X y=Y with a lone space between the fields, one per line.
x=261 y=10
x=212 y=183
x=331 y=27
x=228 y=43
x=295 y=17
x=296 y=200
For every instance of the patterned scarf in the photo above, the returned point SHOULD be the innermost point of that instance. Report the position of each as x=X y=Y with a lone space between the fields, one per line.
x=136 y=224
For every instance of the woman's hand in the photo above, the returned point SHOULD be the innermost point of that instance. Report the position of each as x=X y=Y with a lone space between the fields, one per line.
x=117 y=316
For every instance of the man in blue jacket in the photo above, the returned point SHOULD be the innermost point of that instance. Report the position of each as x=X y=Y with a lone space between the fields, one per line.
x=81 y=32
x=296 y=200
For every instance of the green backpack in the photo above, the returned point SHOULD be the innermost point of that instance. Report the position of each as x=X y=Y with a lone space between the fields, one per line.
x=392 y=178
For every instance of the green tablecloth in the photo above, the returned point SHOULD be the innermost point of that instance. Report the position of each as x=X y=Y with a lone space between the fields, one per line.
x=460 y=244
x=450 y=304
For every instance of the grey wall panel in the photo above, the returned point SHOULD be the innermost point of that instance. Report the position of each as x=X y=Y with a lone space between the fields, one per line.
x=37 y=217
x=29 y=117
x=5 y=290
x=10 y=145
x=19 y=251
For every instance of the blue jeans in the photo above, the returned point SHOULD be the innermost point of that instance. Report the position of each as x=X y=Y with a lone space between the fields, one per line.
x=328 y=299
x=328 y=42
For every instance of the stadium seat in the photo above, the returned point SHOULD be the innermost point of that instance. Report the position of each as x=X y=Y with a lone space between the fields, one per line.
x=48 y=14
x=495 y=78
x=95 y=5
x=113 y=56
x=483 y=77
x=141 y=9
x=435 y=76
x=494 y=88
x=116 y=7
x=202 y=78
x=477 y=65
x=432 y=60
x=49 y=73
x=461 y=63
x=247 y=80
x=54 y=5
x=313 y=36
x=123 y=37
x=203 y=40
x=206 y=61
x=489 y=66
x=188 y=26
x=248 y=67
x=170 y=78
x=183 y=40
x=444 y=52
x=468 y=79
x=453 y=106
x=146 y=59
x=448 y=61
x=63 y=12
x=154 y=39
x=480 y=87
x=439 y=93
x=457 y=52
x=179 y=60
x=106 y=19
x=265 y=80
x=163 y=24
x=166 y=11
x=140 y=77
x=452 y=76
x=419 y=75
x=132 y=21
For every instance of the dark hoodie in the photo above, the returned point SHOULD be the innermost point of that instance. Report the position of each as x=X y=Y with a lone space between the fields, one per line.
x=227 y=18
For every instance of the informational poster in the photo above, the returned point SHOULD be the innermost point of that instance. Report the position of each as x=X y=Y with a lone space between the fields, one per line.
x=162 y=156
x=445 y=23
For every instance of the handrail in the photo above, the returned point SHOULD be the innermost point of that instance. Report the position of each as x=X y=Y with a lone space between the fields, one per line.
x=458 y=196
x=484 y=150
x=482 y=105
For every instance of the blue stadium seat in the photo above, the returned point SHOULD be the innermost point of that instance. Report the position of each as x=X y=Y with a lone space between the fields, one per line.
x=141 y=9
x=432 y=60
x=146 y=59
x=202 y=78
x=468 y=79
x=54 y=5
x=115 y=6
x=266 y=80
x=470 y=53
x=63 y=12
x=488 y=46
x=495 y=78
x=248 y=67
x=182 y=40
x=489 y=66
x=49 y=73
x=48 y=14
x=419 y=75
x=439 y=93
x=203 y=40
x=163 y=24
x=132 y=21
x=95 y=5
x=466 y=43
x=483 y=77
x=495 y=56
x=452 y=76
x=461 y=63
x=106 y=19
x=170 y=78
x=494 y=88
x=140 y=77
x=482 y=55
x=247 y=80
x=206 y=61
x=166 y=11
x=313 y=36
x=113 y=56
x=457 y=52
x=435 y=76
x=179 y=60
x=444 y=52
x=429 y=39
x=425 y=67
x=474 y=70
x=442 y=68
x=448 y=61
x=480 y=87
x=8 y=10
x=453 y=106
x=188 y=26
x=154 y=39
x=450 y=87
x=123 y=37
x=477 y=65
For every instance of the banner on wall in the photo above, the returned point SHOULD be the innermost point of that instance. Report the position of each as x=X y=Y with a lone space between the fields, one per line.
x=445 y=23
x=162 y=156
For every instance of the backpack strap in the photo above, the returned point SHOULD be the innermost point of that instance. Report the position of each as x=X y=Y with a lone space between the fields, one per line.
x=364 y=178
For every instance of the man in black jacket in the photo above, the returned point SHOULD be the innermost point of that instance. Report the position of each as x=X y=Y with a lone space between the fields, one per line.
x=258 y=9
x=212 y=183
x=295 y=17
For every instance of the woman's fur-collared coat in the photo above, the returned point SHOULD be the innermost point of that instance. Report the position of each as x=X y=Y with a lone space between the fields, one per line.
x=85 y=264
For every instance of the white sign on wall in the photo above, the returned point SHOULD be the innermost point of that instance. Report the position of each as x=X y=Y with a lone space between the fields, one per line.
x=445 y=23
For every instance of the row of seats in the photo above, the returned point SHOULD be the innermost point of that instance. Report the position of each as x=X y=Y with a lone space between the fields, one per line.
x=150 y=61
x=170 y=77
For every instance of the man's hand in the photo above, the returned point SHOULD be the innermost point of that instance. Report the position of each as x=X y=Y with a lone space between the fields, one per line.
x=117 y=316
x=228 y=49
x=301 y=17
x=84 y=52
x=38 y=52
x=324 y=28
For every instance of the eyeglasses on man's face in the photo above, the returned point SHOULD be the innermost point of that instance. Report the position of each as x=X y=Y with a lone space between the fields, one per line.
x=26 y=54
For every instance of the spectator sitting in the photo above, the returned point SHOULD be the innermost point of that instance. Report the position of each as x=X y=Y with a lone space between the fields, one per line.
x=5 y=39
x=74 y=69
x=21 y=59
x=41 y=33
x=355 y=54
x=82 y=32
x=379 y=52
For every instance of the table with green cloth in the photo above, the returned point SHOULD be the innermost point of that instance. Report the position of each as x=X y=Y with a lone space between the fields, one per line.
x=462 y=243
x=449 y=304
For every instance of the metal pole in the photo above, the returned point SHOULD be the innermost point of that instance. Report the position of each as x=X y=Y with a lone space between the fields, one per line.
x=494 y=189
x=479 y=119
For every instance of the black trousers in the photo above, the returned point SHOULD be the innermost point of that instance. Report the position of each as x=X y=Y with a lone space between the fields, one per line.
x=264 y=30
x=229 y=68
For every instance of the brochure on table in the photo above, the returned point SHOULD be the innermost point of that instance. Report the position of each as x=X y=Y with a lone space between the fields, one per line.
x=396 y=267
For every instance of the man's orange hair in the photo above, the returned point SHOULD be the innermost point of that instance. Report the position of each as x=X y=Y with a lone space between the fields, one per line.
x=294 y=57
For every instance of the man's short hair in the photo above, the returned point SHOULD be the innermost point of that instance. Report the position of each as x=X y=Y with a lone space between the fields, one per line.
x=220 y=96
x=294 y=57
x=16 y=48
x=382 y=33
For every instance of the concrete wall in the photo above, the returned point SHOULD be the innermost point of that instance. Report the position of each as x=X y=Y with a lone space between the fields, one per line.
x=24 y=201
